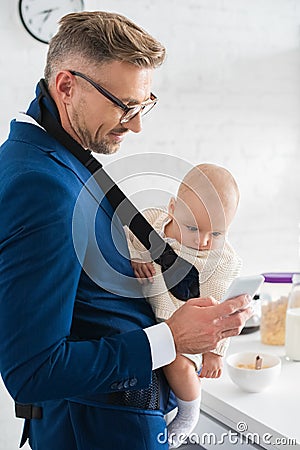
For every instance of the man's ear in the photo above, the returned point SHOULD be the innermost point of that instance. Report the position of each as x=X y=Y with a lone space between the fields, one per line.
x=64 y=84
x=171 y=207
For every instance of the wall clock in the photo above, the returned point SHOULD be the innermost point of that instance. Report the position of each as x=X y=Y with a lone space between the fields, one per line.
x=40 y=17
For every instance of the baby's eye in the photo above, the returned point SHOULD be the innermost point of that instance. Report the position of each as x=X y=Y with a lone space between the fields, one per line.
x=191 y=228
x=216 y=233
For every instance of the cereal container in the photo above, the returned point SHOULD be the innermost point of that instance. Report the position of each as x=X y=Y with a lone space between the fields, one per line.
x=274 y=299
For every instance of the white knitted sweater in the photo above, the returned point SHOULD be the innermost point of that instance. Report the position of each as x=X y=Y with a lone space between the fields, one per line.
x=217 y=269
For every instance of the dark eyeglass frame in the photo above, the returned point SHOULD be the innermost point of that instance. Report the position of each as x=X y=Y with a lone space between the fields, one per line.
x=134 y=110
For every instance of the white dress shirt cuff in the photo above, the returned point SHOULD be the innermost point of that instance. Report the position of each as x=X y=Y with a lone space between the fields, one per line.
x=161 y=344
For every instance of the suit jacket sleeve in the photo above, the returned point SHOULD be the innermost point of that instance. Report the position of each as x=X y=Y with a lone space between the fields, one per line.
x=39 y=278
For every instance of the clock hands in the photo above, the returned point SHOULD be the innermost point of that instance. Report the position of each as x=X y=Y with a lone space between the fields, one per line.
x=47 y=13
x=48 y=10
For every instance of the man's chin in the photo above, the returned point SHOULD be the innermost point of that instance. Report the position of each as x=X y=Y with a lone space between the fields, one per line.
x=105 y=149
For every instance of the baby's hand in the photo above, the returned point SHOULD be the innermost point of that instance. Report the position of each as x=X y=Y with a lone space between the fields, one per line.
x=143 y=271
x=212 y=365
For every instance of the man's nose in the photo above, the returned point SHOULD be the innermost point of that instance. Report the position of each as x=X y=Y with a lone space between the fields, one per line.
x=134 y=124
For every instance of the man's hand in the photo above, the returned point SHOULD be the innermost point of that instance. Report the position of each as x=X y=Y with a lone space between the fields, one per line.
x=201 y=323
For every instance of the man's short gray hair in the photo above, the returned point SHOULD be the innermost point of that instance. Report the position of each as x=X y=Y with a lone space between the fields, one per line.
x=100 y=37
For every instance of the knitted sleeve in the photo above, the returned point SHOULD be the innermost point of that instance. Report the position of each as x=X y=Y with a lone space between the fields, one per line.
x=224 y=267
x=221 y=347
x=136 y=249
x=162 y=302
x=227 y=269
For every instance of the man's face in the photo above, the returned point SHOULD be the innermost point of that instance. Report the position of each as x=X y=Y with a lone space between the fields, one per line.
x=94 y=120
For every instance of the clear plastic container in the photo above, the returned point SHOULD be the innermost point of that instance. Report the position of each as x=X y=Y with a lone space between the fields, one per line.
x=274 y=300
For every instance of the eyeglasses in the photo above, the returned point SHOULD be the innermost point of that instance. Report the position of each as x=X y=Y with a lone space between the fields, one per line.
x=129 y=111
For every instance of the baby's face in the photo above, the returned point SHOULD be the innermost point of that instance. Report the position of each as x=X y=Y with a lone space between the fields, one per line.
x=193 y=226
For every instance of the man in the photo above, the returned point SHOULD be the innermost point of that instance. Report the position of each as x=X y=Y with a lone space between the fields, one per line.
x=77 y=340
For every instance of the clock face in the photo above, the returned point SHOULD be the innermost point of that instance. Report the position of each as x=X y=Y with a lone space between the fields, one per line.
x=40 y=17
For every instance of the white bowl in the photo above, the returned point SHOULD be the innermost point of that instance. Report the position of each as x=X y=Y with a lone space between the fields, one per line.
x=253 y=380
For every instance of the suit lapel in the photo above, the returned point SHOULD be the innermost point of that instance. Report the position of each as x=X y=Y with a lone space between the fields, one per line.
x=34 y=134
x=64 y=157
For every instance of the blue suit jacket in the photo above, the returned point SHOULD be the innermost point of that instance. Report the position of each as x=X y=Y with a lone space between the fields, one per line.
x=71 y=312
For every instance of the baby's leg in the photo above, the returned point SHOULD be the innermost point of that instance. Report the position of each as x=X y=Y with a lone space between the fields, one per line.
x=185 y=384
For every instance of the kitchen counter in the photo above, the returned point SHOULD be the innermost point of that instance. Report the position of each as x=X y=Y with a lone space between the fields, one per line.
x=273 y=415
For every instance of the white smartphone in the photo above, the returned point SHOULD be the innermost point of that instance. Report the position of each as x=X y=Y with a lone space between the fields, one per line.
x=244 y=285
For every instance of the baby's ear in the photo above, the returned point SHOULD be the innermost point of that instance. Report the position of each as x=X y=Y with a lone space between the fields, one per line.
x=171 y=207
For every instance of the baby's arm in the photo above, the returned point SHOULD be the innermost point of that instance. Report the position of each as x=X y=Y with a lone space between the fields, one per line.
x=212 y=365
x=141 y=263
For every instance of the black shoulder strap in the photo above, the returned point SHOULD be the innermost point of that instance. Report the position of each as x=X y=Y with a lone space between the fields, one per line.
x=181 y=277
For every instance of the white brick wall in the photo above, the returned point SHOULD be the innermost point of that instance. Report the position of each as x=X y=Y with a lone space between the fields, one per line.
x=229 y=93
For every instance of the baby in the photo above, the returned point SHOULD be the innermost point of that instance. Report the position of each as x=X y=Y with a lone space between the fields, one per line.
x=195 y=224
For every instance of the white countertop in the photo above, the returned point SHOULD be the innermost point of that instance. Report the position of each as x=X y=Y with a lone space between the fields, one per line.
x=274 y=411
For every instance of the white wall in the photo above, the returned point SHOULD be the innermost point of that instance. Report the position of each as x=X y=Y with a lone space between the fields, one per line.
x=229 y=94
